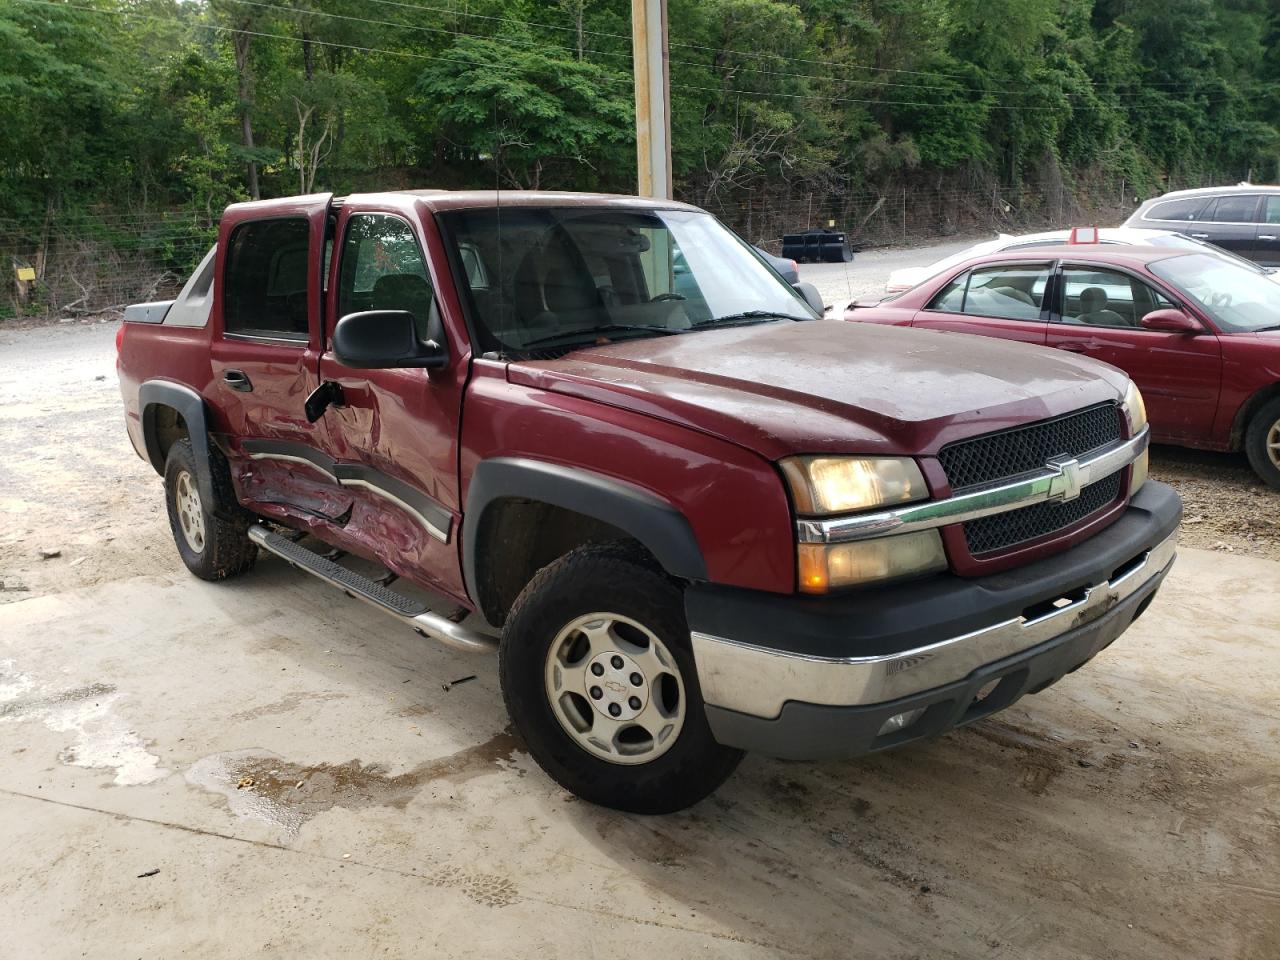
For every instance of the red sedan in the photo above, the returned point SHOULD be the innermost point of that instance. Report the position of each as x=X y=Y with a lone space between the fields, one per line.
x=1198 y=333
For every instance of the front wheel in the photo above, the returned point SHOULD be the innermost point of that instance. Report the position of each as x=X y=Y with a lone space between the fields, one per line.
x=598 y=676
x=1262 y=443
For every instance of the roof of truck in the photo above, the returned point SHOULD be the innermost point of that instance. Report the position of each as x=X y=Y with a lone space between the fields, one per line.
x=464 y=199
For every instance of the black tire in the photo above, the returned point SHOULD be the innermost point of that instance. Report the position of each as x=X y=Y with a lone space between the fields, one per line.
x=223 y=549
x=1264 y=428
x=614 y=578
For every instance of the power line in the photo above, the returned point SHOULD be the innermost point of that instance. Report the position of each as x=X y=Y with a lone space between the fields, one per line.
x=818 y=98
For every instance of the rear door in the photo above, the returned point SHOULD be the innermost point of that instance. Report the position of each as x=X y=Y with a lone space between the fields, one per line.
x=1098 y=314
x=265 y=348
x=1230 y=222
x=394 y=435
x=1006 y=300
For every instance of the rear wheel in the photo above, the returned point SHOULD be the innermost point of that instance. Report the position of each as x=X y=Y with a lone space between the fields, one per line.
x=212 y=539
x=1262 y=443
x=598 y=676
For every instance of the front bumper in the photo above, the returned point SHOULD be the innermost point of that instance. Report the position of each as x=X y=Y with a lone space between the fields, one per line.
x=818 y=677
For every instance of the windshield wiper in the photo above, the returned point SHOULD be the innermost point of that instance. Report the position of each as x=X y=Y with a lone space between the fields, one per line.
x=1274 y=326
x=572 y=335
x=747 y=316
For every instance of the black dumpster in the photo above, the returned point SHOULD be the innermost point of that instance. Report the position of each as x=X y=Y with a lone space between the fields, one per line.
x=817 y=246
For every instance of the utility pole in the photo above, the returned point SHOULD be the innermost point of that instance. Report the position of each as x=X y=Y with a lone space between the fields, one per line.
x=653 y=97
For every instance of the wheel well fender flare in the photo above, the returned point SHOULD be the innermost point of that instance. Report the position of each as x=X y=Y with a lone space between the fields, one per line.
x=653 y=522
x=155 y=394
x=1258 y=400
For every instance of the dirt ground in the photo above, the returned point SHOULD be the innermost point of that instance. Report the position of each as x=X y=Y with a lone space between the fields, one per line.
x=267 y=768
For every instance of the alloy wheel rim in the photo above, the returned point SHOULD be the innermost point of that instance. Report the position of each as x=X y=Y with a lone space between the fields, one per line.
x=1273 y=444
x=186 y=500
x=615 y=688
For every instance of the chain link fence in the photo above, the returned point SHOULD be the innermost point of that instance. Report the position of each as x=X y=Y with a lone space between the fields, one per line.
x=75 y=266
x=90 y=265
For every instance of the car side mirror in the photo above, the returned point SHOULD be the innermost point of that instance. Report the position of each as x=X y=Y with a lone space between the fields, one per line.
x=376 y=339
x=810 y=294
x=1171 y=321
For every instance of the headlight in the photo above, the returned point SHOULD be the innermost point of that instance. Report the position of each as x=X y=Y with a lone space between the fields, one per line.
x=824 y=566
x=826 y=485
x=1135 y=412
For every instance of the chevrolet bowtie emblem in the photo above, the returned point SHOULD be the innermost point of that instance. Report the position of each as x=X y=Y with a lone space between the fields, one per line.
x=1065 y=486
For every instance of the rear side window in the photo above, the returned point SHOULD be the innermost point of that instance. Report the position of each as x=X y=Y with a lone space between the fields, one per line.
x=1272 y=210
x=266 y=279
x=1233 y=210
x=1189 y=209
x=1011 y=292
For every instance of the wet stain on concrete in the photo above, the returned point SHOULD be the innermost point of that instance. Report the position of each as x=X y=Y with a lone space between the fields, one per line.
x=21 y=707
x=265 y=787
x=103 y=739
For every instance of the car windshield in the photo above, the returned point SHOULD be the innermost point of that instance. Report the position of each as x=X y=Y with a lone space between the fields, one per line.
x=1237 y=298
x=546 y=279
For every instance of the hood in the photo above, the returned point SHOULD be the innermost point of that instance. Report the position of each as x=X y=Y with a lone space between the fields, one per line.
x=828 y=386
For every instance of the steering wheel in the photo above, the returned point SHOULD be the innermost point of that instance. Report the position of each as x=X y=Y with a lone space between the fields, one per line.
x=662 y=297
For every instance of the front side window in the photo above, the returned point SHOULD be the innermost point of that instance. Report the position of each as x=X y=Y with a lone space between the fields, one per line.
x=1271 y=213
x=1009 y=292
x=1238 y=299
x=1106 y=298
x=553 y=278
x=1188 y=209
x=1234 y=209
x=266 y=279
x=383 y=269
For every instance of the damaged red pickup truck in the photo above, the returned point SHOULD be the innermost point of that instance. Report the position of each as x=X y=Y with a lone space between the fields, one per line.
x=601 y=436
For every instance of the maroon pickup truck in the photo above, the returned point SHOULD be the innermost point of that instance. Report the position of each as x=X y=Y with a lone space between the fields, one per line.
x=601 y=436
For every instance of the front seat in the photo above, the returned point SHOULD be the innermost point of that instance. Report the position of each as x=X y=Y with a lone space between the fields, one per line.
x=1093 y=309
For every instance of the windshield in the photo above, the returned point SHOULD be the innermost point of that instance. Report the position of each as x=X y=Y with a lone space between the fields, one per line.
x=1238 y=299
x=555 y=278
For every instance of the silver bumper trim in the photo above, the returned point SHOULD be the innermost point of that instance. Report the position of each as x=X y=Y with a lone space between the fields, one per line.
x=759 y=680
x=1060 y=480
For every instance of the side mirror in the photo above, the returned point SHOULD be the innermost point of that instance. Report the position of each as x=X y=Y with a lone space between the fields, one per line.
x=1171 y=321
x=376 y=339
x=810 y=294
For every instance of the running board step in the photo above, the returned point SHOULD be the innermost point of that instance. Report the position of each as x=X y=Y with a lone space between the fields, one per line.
x=413 y=613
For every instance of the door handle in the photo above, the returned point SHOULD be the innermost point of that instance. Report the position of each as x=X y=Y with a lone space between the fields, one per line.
x=1266 y=236
x=1200 y=236
x=237 y=380
x=1073 y=347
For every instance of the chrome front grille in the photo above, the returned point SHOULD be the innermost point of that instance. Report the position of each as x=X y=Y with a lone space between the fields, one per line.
x=1008 y=453
x=996 y=457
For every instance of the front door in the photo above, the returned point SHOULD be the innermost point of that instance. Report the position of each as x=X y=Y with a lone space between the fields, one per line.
x=1099 y=315
x=394 y=433
x=1266 y=242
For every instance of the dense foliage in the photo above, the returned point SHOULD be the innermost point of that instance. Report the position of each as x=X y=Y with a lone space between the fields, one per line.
x=141 y=105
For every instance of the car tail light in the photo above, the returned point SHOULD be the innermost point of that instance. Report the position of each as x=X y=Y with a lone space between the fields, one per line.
x=119 y=342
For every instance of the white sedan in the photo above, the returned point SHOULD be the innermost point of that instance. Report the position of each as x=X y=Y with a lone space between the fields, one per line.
x=908 y=277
